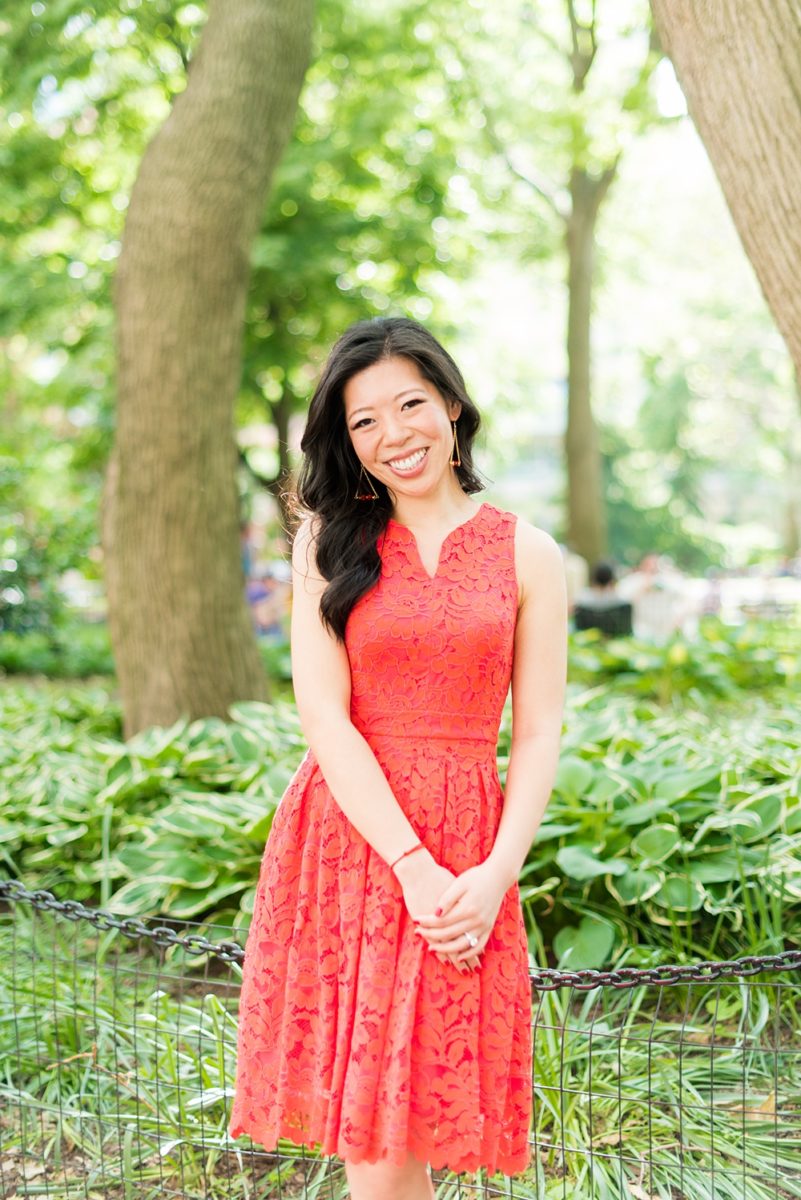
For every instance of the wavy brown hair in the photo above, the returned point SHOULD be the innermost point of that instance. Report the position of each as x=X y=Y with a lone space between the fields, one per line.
x=346 y=529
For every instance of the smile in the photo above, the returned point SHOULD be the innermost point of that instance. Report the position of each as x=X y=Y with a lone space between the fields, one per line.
x=408 y=464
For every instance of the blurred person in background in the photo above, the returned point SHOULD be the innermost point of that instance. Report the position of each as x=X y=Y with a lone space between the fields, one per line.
x=600 y=606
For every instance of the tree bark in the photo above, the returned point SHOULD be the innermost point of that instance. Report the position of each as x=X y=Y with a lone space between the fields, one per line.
x=587 y=525
x=180 y=627
x=738 y=65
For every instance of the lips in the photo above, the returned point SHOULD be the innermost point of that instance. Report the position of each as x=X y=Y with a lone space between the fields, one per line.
x=408 y=463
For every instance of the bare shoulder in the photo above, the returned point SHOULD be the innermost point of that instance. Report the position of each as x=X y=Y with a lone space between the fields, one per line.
x=538 y=560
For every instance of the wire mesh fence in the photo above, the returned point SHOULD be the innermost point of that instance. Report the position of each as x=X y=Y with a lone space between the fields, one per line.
x=118 y=1044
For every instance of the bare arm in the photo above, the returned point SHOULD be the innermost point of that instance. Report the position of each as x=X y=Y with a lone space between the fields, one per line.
x=321 y=676
x=538 y=693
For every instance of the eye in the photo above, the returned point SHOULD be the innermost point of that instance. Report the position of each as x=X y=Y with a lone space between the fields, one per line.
x=361 y=423
x=414 y=400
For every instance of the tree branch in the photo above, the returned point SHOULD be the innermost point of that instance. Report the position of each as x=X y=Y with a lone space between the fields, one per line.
x=571 y=12
x=581 y=59
x=541 y=184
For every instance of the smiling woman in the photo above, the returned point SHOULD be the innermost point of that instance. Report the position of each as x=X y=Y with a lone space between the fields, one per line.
x=386 y=1007
x=388 y=391
x=405 y=435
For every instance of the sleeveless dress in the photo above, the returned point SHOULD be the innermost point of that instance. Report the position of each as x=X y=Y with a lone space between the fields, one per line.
x=352 y=1035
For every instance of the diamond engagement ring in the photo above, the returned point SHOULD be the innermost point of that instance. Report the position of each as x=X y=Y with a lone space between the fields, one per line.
x=472 y=940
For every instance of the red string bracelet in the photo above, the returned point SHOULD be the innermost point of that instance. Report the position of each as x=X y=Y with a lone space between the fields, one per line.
x=418 y=846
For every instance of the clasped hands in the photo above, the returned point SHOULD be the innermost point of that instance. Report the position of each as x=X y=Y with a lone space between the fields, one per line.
x=445 y=906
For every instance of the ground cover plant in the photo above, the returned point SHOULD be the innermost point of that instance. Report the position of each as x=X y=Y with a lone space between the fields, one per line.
x=671 y=832
x=71 y=648
x=722 y=660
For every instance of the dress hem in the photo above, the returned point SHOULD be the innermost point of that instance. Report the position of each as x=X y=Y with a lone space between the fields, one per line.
x=436 y=1157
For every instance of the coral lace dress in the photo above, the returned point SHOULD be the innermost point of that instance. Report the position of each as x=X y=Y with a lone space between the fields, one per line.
x=352 y=1034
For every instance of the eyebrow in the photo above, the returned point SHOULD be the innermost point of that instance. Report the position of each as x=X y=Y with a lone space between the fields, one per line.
x=366 y=408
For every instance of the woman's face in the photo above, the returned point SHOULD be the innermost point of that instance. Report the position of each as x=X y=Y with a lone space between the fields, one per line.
x=400 y=426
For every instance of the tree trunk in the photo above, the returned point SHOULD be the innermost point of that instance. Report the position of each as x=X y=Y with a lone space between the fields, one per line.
x=792 y=461
x=587 y=529
x=738 y=65
x=281 y=412
x=179 y=622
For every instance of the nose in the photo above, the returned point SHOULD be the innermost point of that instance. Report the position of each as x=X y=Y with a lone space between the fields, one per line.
x=394 y=432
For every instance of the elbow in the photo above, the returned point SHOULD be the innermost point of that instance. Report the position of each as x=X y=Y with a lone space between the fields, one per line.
x=321 y=719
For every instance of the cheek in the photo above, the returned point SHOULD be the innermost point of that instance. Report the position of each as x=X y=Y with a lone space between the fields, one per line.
x=442 y=426
x=361 y=442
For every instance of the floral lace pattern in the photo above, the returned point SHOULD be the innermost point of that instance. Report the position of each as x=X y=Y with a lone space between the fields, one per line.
x=352 y=1035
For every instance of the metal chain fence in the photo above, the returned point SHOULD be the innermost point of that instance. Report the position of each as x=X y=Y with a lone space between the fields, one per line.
x=118 y=1043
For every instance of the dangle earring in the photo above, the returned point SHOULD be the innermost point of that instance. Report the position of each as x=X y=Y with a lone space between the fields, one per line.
x=456 y=458
x=364 y=479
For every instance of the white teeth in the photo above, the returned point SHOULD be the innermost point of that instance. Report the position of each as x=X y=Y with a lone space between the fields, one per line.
x=406 y=464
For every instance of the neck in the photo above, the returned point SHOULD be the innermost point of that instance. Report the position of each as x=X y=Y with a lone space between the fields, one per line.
x=448 y=506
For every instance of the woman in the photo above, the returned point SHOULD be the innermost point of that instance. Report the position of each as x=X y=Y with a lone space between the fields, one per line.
x=386 y=1008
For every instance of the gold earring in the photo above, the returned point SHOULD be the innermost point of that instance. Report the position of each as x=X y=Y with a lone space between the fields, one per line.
x=364 y=495
x=456 y=458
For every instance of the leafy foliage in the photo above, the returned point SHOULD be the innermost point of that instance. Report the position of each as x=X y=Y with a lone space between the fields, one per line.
x=679 y=831
x=68 y=650
x=666 y=833
x=719 y=662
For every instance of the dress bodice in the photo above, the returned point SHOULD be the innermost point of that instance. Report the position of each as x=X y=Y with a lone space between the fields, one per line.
x=432 y=656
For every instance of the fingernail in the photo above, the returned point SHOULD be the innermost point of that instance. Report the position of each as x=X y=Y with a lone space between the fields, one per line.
x=437 y=912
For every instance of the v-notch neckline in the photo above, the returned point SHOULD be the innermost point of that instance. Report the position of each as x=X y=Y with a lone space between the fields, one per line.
x=443 y=543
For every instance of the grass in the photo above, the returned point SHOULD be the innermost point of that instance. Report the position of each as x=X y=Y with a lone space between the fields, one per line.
x=117 y=1072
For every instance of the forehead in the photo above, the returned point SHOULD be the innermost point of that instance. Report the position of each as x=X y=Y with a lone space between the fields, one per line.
x=382 y=383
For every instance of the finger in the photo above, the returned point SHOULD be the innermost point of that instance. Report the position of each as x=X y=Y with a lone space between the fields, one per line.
x=449 y=943
x=473 y=958
x=449 y=932
x=466 y=965
x=436 y=919
x=450 y=897
x=460 y=947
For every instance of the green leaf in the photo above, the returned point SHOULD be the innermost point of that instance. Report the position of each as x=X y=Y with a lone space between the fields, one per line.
x=573 y=778
x=680 y=893
x=65 y=834
x=187 y=903
x=638 y=814
x=676 y=785
x=191 y=822
x=766 y=809
x=635 y=885
x=586 y=946
x=719 y=866
x=258 y=830
x=158 y=743
x=656 y=843
x=548 y=832
x=246 y=746
x=578 y=862
x=137 y=897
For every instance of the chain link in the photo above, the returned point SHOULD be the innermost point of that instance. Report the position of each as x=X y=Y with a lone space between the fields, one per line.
x=132 y=927
x=547 y=979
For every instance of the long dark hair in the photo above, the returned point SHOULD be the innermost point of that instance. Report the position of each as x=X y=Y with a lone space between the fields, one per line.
x=347 y=529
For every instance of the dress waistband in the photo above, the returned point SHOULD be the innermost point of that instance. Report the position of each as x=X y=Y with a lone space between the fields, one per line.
x=426 y=725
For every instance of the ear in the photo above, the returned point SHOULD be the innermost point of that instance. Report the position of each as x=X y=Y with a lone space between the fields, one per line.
x=454 y=409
